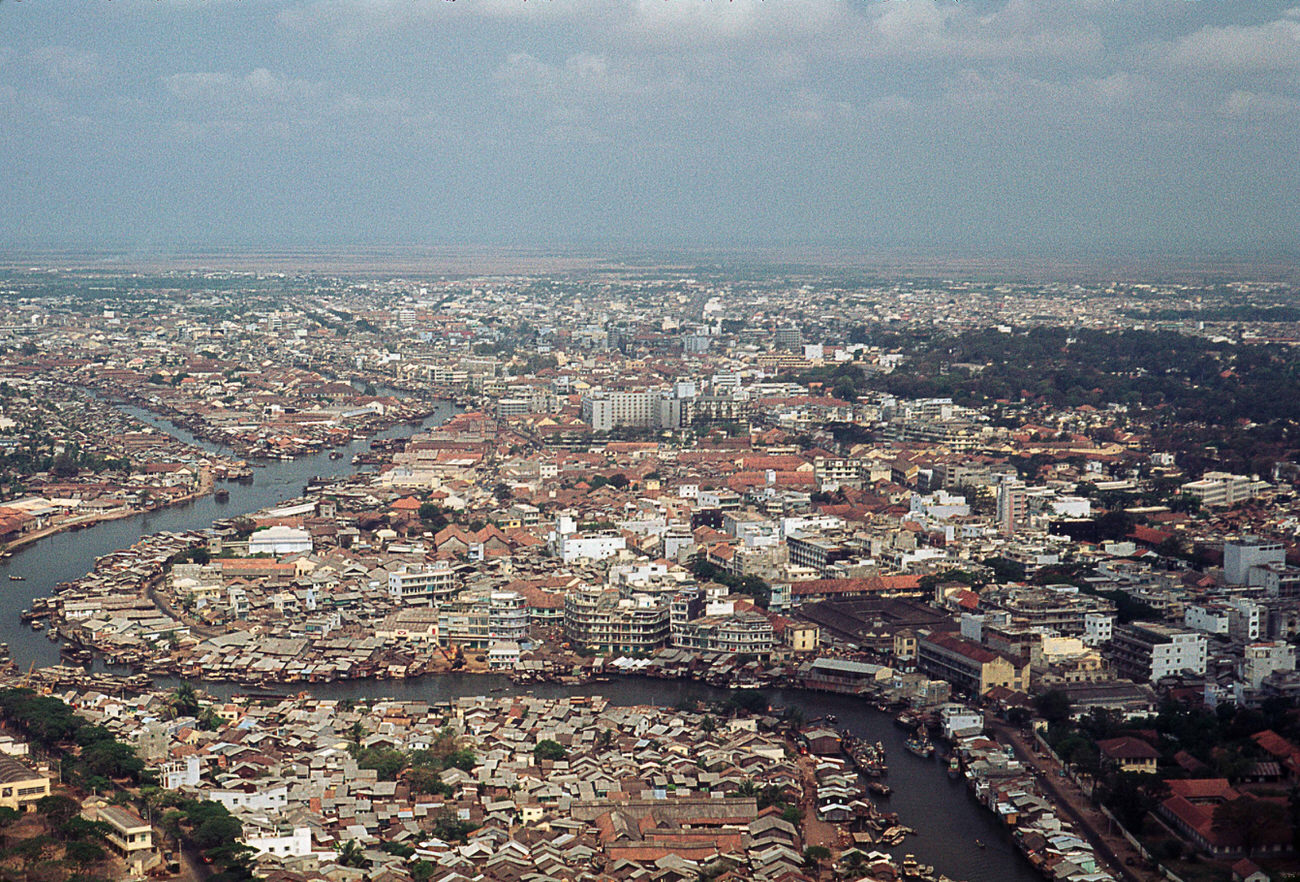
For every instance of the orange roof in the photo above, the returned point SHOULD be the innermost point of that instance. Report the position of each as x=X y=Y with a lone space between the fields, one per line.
x=874 y=584
x=1275 y=744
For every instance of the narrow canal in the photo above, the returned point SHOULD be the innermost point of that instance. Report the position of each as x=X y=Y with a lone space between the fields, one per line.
x=948 y=819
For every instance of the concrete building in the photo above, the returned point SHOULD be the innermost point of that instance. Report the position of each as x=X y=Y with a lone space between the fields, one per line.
x=128 y=835
x=1013 y=506
x=1148 y=651
x=251 y=797
x=282 y=840
x=1239 y=555
x=477 y=619
x=1098 y=628
x=1262 y=659
x=21 y=786
x=802 y=636
x=427 y=585
x=1277 y=580
x=589 y=546
x=602 y=619
x=280 y=540
x=1212 y=618
x=968 y=665
x=1216 y=489
x=417 y=625
x=643 y=409
x=723 y=629
x=184 y=772
x=1247 y=619
x=503 y=655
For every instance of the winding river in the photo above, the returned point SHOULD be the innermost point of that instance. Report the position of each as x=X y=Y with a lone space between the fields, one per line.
x=948 y=818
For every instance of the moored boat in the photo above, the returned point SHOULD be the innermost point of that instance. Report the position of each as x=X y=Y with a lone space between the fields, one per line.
x=920 y=745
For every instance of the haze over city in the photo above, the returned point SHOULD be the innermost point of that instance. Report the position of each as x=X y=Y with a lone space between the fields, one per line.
x=1002 y=128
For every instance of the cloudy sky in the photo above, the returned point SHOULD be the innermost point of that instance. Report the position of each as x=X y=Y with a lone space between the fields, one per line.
x=1020 y=126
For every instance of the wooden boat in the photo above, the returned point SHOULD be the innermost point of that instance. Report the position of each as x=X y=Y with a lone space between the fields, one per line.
x=920 y=745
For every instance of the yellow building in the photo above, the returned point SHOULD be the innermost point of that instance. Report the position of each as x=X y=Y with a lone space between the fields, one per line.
x=969 y=666
x=20 y=785
x=128 y=834
x=802 y=637
x=904 y=645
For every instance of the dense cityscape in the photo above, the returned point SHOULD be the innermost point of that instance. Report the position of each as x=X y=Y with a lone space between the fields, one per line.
x=871 y=534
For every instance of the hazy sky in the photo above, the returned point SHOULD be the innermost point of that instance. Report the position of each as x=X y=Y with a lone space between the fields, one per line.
x=1010 y=126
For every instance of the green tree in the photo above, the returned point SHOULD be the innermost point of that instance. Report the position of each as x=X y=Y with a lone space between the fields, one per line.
x=112 y=759
x=386 y=762
x=1252 y=822
x=83 y=853
x=422 y=779
x=352 y=855
x=184 y=701
x=58 y=809
x=433 y=516
x=1053 y=705
x=750 y=700
x=216 y=831
x=814 y=855
x=549 y=750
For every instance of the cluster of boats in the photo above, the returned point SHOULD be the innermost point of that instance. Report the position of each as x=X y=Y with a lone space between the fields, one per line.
x=869 y=759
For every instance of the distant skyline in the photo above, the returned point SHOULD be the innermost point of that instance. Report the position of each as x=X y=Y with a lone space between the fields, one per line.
x=1026 y=127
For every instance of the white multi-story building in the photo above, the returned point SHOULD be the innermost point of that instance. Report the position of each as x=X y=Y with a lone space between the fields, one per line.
x=643 y=409
x=723 y=629
x=1212 y=618
x=1239 y=555
x=1147 y=651
x=280 y=540
x=266 y=837
x=602 y=619
x=589 y=546
x=1221 y=488
x=260 y=798
x=1098 y=628
x=1262 y=659
x=477 y=619
x=183 y=772
x=722 y=500
x=940 y=505
x=427 y=585
x=1247 y=619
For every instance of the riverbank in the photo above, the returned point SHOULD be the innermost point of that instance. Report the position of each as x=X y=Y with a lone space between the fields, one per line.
x=1121 y=858
x=946 y=821
x=206 y=486
x=306 y=434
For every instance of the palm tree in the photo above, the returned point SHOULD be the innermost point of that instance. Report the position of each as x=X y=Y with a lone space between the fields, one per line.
x=352 y=855
x=184 y=702
x=813 y=856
